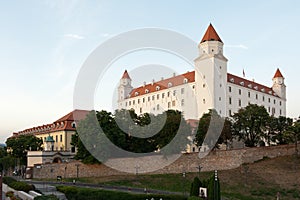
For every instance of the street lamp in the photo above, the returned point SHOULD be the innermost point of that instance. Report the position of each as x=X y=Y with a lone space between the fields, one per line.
x=199 y=168
x=183 y=175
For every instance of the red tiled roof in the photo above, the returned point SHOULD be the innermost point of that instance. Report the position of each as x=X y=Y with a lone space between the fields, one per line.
x=249 y=84
x=163 y=84
x=76 y=114
x=64 y=123
x=211 y=35
x=190 y=76
x=126 y=75
x=278 y=74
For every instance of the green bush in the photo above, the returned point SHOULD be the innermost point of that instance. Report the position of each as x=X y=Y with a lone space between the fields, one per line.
x=46 y=197
x=193 y=198
x=73 y=193
x=8 y=180
x=21 y=186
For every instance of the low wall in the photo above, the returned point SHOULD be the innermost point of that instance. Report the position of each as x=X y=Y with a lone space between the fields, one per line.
x=216 y=160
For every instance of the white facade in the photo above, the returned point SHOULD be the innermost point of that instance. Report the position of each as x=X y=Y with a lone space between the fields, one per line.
x=210 y=86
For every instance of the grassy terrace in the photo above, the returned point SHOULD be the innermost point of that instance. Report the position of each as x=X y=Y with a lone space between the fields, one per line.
x=260 y=180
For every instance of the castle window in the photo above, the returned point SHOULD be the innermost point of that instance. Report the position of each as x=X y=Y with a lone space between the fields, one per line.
x=240 y=102
x=157 y=88
x=129 y=103
x=269 y=100
x=220 y=85
x=170 y=84
x=193 y=86
x=269 y=109
x=182 y=102
x=274 y=101
x=203 y=76
x=203 y=85
x=169 y=104
x=220 y=98
x=182 y=90
x=163 y=95
x=148 y=98
x=141 y=110
x=136 y=93
x=157 y=96
x=185 y=80
x=174 y=92
x=230 y=114
x=60 y=138
x=220 y=67
x=153 y=97
x=249 y=94
x=126 y=103
x=256 y=96
x=280 y=103
x=280 y=112
x=229 y=89
x=173 y=103
x=168 y=94
x=240 y=91
x=138 y=101
x=56 y=138
x=157 y=107
x=203 y=101
x=263 y=98
x=133 y=102
x=230 y=100
x=144 y=100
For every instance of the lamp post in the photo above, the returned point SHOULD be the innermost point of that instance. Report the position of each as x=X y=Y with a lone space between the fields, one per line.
x=183 y=175
x=77 y=167
x=216 y=186
x=137 y=167
x=199 y=169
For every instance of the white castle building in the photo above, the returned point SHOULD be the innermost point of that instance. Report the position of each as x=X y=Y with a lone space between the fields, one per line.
x=210 y=86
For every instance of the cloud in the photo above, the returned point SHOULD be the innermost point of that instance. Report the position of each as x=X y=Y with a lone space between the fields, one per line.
x=105 y=34
x=240 y=46
x=74 y=36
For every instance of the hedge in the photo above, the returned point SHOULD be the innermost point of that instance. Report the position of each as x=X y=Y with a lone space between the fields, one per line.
x=17 y=185
x=73 y=193
x=46 y=197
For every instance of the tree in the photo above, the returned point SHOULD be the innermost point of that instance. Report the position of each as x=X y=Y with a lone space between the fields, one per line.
x=249 y=124
x=209 y=126
x=19 y=146
x=292 y=135
x=282 y=125
x=214 y=191
x=196 y=184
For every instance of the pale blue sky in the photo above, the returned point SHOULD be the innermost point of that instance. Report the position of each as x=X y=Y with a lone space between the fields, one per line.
x=44 y=44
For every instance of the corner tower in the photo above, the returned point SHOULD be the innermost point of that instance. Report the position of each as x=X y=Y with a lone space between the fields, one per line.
x=278 y=84
x=125 y=87
x=211 y=74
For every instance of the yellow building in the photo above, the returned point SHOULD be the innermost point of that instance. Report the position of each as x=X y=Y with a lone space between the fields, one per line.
x=61 y=131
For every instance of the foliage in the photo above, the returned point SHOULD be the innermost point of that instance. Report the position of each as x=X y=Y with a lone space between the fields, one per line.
x=250 y=123
x=129 y=132
x=292 y=134
x=46 y=197
x=214 y=191
x=74 y=193
x=209 y=126
x=21 y=144
x=196 y=184
x=193 y=198
x=280 y=125
x=6 y=161
x=17 y=185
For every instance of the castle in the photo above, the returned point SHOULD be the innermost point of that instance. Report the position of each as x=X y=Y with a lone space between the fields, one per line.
x=210 y=86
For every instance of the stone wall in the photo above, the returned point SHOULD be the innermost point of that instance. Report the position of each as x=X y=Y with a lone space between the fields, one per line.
x=216 y=160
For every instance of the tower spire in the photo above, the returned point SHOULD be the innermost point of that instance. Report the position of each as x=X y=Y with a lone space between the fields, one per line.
x=278 y=74
x=126 y=75
x=211 y=35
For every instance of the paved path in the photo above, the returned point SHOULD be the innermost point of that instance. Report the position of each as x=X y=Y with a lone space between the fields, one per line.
x=106 y=187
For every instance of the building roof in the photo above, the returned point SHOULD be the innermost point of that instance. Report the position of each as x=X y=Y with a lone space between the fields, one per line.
x=164 y=84
x=126 y=75
x=211 y=35
x=189 y=77
x=278 y=74
x=65 y=123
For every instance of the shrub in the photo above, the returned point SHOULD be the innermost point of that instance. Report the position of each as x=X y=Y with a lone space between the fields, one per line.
x=8 y=180
x=20 y=186
x=9 y=194
x=193 y=198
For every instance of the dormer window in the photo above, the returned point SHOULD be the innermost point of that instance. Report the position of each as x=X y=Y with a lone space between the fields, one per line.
x=232 y=80
x=185 y=80
x=263 y=89
x=146 y=91
x=73 y=124
x=136 y=93
x=157 y=88
x=256 y=87
x=250 y=86
x=270 y=92
x=242 y=83
x=170 y=84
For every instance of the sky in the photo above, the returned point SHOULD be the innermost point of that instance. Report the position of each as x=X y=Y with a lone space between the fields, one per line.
x=43 y=45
